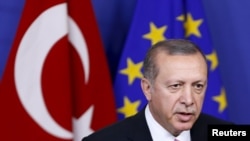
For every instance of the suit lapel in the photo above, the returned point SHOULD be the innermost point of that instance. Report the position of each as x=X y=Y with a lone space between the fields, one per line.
x=140 y=132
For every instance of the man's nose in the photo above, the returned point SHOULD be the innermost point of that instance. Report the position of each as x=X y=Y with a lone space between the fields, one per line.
x=187 y=96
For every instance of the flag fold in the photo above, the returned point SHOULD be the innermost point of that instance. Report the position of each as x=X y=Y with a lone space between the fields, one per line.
x=56 y=85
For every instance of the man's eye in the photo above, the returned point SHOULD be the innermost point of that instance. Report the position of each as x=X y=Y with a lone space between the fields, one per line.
x=199 y=86
x=175 y=85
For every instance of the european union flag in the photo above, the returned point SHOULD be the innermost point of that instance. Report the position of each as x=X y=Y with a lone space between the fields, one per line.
x=10 y=14
x=156 y=20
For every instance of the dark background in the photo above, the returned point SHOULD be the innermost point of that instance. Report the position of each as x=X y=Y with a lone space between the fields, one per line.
x=229 y=25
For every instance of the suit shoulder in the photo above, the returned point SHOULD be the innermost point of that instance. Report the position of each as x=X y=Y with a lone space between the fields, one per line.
x=133 y=127
x=199 y=129
x=117 y=130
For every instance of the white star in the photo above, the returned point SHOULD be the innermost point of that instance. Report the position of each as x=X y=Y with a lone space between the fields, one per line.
x=81 y=126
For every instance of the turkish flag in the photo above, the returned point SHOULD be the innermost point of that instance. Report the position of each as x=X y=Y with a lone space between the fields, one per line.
x=56 y=85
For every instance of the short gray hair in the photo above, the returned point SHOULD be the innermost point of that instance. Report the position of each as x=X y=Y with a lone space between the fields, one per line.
x=171 y=47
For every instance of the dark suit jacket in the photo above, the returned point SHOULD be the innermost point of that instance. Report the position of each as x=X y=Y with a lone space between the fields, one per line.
x=135 y=128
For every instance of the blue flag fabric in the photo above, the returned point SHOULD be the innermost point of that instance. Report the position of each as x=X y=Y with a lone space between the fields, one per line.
x=156 y=20
x=10 y=15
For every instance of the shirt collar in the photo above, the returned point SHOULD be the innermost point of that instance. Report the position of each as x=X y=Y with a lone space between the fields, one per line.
x=159 y=133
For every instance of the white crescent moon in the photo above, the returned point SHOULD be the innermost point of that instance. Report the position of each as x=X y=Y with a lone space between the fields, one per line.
x=35 y=45
x=79 y=43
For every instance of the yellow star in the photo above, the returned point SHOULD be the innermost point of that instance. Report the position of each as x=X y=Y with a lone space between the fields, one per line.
x=133 y=70
x=180 y=18
x=129 y=108
x=213 y=59
x=191 y=26
x=155 y=34
x=221 y=99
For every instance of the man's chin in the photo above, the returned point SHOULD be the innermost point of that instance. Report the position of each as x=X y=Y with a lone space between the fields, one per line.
x=180 y=126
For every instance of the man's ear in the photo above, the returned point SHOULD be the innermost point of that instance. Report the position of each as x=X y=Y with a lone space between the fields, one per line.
x=146 y=88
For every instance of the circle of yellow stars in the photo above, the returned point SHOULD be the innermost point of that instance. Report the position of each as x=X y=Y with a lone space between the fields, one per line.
x=155 y=35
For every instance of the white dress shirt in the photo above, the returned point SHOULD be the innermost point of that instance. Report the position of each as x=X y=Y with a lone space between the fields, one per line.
x=159 y=133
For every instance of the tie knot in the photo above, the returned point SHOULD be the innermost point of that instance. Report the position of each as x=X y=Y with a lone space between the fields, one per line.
x=176 y=140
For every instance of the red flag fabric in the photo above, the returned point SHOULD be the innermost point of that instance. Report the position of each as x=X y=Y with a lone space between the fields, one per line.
x=56 y=85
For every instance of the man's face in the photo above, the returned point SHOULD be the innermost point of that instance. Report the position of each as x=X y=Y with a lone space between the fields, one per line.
x=176 y=97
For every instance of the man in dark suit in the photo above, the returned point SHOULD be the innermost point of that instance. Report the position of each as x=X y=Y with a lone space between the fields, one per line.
x=174 y=83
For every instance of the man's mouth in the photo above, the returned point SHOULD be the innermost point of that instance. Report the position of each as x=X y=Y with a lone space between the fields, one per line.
x=184 y=117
